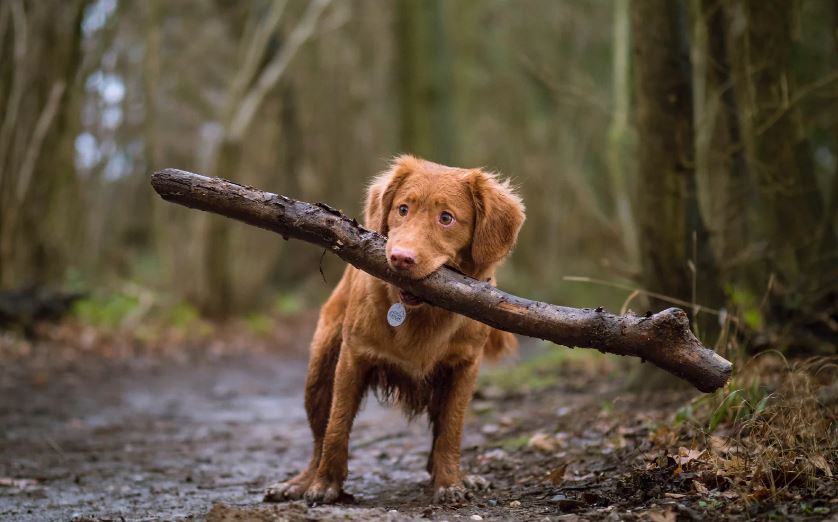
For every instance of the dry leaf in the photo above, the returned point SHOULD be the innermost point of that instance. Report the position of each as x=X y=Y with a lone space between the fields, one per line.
x=685 y=456
x=820 y=462
x=662 y=516
x=722 y=445
x=700 y=488
x=543 y=442
x=556 y=476
x=758 y=494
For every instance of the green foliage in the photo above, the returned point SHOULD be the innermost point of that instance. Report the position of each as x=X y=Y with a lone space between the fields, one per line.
x=684 y=413
x=723 y=407
x=105 y=311
x=813 y=510
x=747 y=305
x=739 y=405
x=288 y=304
x=259 y=324
x=513 y=443
x=183 y=315
x=710 y=504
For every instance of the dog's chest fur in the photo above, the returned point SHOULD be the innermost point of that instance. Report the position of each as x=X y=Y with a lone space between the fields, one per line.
x=429 y=336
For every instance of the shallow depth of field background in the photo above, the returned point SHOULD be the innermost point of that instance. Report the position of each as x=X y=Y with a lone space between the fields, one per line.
x=688 y=150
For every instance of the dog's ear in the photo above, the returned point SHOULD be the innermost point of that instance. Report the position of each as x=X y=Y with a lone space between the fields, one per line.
x=383 y=189
x=499 y=214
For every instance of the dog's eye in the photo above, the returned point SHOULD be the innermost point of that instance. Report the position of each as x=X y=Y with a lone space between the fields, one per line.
x=446 y=218
x=402 y=210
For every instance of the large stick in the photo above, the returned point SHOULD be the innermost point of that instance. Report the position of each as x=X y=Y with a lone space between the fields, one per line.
x=664 y=338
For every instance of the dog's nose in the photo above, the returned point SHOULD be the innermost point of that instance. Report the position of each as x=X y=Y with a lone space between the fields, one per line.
x=402 y=258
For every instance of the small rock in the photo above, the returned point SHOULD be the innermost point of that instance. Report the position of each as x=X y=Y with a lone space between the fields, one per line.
x=476 y=517
x=493 y=502
x=515 y=504
x=496 y=454
x=566 y=503
x=490 y=429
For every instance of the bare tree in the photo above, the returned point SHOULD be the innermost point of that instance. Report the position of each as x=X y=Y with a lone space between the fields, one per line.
x=776 y=149
x=37 y=189
x=425 y=81
x=721 y=173
x=672 y=237
x=257 y=76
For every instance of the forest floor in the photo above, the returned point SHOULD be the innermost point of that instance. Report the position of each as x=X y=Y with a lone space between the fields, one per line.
x=198 y=432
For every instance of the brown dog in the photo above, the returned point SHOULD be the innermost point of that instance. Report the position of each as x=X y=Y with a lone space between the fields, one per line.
x=433 y=215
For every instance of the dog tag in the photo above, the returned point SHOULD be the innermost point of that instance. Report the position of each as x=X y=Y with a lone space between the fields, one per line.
x=396 y=314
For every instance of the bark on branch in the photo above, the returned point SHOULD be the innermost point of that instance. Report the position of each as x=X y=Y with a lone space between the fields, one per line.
x=663 y=338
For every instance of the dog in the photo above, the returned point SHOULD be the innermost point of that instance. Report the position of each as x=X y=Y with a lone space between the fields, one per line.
x=432 y=215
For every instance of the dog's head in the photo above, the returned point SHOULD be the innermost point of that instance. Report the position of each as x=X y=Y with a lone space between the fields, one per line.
x=434 y=215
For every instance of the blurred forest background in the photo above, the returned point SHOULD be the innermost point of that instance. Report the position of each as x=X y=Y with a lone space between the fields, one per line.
x=669 y=152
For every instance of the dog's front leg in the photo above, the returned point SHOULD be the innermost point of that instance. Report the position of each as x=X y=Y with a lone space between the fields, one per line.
x=350 y=377
x=448 y=429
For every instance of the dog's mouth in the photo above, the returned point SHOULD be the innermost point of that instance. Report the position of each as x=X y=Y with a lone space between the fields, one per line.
x=410 y=299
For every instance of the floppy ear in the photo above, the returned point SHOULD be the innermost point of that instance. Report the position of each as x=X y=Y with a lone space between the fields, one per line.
x=382 y=190
x=499 y=214
x=372 y=208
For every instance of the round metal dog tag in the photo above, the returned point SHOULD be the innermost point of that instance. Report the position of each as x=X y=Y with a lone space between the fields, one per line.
x=396 y=314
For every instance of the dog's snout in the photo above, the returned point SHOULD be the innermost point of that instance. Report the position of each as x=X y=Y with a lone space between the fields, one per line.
x=402 y=258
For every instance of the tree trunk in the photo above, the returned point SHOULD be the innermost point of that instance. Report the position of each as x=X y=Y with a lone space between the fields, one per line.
x=617 y=149
x=261 y=70
x=664 y=338
x=673 y=249
x=790 y=207
x=424 y=82
x=721 y=174
x=38 y=67
x=672 y=235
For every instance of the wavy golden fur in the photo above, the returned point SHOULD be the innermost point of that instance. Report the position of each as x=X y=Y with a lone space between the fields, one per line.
x=433 y=215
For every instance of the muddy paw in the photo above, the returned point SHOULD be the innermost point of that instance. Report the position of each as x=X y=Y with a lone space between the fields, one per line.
x=323 y=492
x=284 y=491
x=451 y=495
x=476 y=483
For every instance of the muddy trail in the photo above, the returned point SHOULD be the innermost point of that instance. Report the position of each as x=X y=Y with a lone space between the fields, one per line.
x=199 y=436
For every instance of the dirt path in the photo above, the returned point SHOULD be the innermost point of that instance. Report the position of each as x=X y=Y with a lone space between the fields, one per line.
x=152 y=438
x=148 y=439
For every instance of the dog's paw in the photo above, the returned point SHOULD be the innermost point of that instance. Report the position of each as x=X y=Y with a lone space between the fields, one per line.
x=476 y=483
x=456 y=494
x=284 y=491
x=323 y=492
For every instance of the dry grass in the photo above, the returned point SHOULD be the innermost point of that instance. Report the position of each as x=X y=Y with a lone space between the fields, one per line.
x=774 y=429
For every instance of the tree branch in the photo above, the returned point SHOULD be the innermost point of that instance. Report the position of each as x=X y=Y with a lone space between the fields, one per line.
x=664 y=338
x=271 y=74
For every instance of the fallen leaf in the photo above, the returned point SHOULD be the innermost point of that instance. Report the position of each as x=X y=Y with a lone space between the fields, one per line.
x=662 y=516
x=700 y=488
x=543 y=442
x=758 y=494
x=820 y=462
x=684 y=457
x=556 y=476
